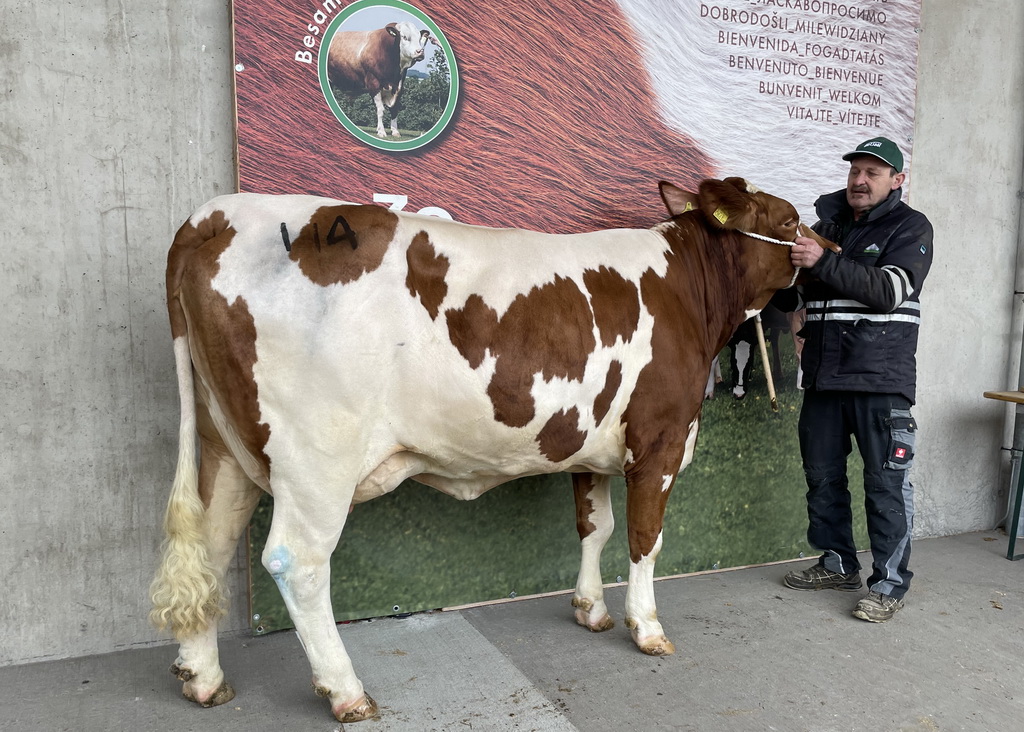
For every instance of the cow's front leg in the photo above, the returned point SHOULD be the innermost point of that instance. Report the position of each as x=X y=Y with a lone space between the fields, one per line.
x=378 y=102
x=390 y=98
x=649 y=480
x=641 y=609
x=594 y=522
x=297 y=555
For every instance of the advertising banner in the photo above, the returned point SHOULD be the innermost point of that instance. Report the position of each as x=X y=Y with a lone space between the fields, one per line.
x=562 y=117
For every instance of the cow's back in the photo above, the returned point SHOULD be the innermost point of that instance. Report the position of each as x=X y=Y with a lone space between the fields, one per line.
x=360 y=61
x=352 y=328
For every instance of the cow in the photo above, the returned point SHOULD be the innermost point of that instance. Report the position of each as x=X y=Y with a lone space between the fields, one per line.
x=375 y=62
x=328 y=351
x=744 y=345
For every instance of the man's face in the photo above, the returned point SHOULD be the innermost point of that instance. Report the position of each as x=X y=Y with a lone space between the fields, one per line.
x=869 y=183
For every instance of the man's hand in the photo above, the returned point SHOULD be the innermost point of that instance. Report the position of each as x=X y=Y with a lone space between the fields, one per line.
x=805 y=252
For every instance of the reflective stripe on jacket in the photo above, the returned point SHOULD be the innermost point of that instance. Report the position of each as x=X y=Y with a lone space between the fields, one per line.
x=863 y=308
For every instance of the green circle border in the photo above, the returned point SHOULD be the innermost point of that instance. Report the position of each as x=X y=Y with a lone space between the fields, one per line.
x=325 y=85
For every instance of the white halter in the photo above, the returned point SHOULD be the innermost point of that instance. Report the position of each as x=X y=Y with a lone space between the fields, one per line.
x=752 y=235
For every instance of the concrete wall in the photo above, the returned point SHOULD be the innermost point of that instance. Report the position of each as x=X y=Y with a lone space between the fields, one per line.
x=117 y=122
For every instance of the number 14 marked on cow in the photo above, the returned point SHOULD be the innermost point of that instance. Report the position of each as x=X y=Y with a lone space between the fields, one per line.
x=397 y=203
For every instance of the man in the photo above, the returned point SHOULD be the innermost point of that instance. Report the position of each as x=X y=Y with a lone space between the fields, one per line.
x=859 y=368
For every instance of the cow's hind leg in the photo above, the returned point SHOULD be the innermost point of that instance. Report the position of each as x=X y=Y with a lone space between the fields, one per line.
x=594 y=522
x=230 y=499
x=305 y=529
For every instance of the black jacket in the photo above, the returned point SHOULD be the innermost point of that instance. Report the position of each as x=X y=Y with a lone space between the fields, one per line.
x=863 y=307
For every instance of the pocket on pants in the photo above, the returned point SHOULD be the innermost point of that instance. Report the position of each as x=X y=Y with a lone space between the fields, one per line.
x=902 y=433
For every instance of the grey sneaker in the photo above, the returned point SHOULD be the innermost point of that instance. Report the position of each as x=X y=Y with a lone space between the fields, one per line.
x=877 y=608
x=819 y=578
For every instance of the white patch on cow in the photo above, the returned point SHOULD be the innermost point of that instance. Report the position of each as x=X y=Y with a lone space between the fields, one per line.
x=714 y=378
x=361 y=50
x=667 y=482
x=691 y=444
x=641 y=610
x=535 y=258
x=748 y=314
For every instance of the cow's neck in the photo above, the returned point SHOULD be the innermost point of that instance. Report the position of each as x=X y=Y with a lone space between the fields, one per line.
x=721 y=272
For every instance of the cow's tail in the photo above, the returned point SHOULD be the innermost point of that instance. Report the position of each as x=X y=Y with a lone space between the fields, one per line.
x=187 y=592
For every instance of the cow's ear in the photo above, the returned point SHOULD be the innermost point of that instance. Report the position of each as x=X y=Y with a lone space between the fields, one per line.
x=677 y=201
x=743 y=184
x=392 y=28
x=726 y=205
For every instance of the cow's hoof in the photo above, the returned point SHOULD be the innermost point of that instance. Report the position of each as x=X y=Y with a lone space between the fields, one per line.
x=365 y=708
x=602 y=623
x=221 y=695
x=584 y=606
x=656 y=646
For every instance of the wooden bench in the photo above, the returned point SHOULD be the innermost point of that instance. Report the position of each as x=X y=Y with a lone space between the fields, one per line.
x=1014 y=397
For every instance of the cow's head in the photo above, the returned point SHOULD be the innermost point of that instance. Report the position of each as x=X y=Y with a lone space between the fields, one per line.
x=410 y=42
x=735 y=205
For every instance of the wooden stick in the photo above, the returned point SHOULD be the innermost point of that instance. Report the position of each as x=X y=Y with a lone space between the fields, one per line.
x=764 y=361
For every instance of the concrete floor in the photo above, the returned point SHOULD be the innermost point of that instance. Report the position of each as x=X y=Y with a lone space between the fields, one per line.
x=751 y=655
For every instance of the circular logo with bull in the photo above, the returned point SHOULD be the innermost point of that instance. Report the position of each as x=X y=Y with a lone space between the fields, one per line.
x=388 y=74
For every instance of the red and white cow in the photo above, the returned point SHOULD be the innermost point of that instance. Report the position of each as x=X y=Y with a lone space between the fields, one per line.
x=375 y=62
x=327 y=351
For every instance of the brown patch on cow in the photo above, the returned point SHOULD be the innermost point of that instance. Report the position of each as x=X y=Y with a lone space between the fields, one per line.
x=561 y=437
x=582 y=485
x=612 y=382
x=616 y=304
x=471 y=329
x=548 y=331
x=222 y=337
x=186 y=240
x=341 y=243
x=426 y=274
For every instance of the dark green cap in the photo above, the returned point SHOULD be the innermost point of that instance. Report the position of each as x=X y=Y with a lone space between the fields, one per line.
x=882 y=148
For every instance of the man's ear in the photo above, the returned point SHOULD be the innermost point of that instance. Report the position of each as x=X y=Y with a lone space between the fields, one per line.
x=677 y=201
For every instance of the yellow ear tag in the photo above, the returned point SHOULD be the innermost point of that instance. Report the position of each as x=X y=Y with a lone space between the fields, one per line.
x=721 y=215
x=689 y=207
